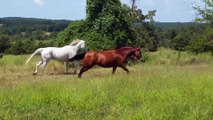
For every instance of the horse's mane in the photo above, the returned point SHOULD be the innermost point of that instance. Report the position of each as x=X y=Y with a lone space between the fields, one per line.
x=123 y=48
x=75 y=42
x=127 y=49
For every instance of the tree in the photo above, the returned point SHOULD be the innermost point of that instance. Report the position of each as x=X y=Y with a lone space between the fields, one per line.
x=143 y=27
x=180 y=42
x=204 y=41
x=107 y=25
x=4 y=42
x=17 y=48
x=133 y=6
x=38 y=35
x=205 y=14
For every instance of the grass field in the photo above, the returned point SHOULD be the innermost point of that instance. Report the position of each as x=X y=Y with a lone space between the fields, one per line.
x=168 y=86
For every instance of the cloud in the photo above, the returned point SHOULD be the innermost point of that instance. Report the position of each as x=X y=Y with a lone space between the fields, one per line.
x=39 y=2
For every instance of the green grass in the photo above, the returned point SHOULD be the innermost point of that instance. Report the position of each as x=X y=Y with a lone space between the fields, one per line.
x=153 y=90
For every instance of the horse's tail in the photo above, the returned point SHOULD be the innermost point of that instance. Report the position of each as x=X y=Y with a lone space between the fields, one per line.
x=38 y=51
x=79 y=56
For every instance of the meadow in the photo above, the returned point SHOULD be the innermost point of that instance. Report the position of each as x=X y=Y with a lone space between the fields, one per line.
x=169 y=85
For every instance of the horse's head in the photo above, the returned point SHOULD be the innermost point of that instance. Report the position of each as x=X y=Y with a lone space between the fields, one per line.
x=79 y=43
x=137 y=53
x=82 y=44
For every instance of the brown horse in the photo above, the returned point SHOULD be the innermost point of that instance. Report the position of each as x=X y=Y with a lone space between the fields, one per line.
x=110 y=58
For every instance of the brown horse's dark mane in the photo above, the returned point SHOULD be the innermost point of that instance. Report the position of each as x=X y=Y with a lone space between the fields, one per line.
x=127 y=51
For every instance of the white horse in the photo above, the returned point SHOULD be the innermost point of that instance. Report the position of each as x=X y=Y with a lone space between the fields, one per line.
x=58 y=53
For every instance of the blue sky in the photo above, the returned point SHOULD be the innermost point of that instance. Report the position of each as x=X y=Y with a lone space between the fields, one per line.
x=167 y=10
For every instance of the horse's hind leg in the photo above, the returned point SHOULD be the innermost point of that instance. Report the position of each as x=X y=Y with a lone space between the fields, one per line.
x=43 y=66
x=67 y=67
x=37 y=65
x=76 y=67
x=114 y=69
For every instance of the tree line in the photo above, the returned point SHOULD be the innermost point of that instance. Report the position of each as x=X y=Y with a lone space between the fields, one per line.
x=24 y=35
x=109 y=24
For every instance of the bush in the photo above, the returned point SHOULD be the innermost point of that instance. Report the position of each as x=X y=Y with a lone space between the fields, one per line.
x=107 y=26
x=4 y=42
x=203 y=42
x=27 y=46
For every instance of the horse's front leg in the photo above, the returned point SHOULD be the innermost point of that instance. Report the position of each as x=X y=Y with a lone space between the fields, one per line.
x=76 y=67
x=67 y=67
x=124 y=67
x=84 y=69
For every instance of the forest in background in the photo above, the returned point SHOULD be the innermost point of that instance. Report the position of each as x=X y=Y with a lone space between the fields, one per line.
x=109 y=24
x=24 y=35
x=169 y=85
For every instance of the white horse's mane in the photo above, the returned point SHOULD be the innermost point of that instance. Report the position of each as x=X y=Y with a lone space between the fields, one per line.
x=75 y=42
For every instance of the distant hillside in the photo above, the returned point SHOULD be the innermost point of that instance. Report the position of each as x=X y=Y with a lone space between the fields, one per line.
x=16 y=25
x=176 y=25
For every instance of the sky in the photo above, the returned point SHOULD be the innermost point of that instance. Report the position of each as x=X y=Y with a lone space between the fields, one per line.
x=166 y=10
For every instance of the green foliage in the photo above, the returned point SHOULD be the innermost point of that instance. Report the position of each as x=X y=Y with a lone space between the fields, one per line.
x=38 y=35
x=110 y=25
x=27 y=46
x=181 y=41
x=24 y=35
x=106 y=26
x=4 y=42
x=15 y=25
x=73 y=31
x=205 y=14
x=144 y=28
x=203 y=42
x=146 y=36
x=17 y=48
x=176 y=25
x=172 y=57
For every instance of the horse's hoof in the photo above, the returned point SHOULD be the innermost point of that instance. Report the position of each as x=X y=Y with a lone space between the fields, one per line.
x=34 y=73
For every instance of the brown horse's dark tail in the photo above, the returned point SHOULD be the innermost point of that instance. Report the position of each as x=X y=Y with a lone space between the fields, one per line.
x=79 y=56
